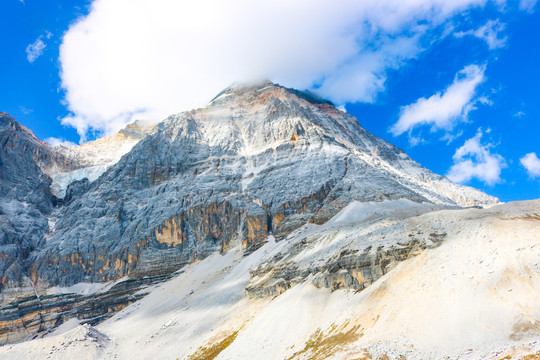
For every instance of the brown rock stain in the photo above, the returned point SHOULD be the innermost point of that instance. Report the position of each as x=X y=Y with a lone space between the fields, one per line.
x=215 y=347
x=524 y=328
x=277 y=219
x=323 y=344
x=170 y=232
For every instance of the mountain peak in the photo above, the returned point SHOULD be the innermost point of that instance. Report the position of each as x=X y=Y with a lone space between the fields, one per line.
x=266 y=88
x=9 y=122
x=259 y=161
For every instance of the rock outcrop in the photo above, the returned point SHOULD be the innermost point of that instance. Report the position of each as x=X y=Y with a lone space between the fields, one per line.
x=352 y=254
x=95 y=157
x=33 y=316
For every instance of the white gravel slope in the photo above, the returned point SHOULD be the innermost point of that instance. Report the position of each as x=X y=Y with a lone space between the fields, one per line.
x=475 y=296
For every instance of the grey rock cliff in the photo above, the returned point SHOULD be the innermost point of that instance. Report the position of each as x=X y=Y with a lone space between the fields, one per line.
x=25 y=200
x=255 y=161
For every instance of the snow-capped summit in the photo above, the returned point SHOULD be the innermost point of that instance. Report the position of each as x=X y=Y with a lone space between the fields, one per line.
x=95 y=157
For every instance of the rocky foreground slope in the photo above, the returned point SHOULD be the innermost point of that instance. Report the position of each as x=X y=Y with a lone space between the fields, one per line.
x=415 y=284
x=258 y=162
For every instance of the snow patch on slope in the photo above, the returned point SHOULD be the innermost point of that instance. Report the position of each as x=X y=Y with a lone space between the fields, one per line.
x=190 y=308
x=97 y=156
x=61 y=181
x=84 y=288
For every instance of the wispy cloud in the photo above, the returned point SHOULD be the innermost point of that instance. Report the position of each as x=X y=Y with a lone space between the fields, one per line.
x=35 y=50
x=531 y=163
x=443 y=109
x=489 y=33
x=25 y=110
x=58 y=142
x=474 y=160
x=527 y=5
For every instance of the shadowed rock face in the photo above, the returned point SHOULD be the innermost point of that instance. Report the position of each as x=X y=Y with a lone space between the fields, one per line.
x=25 y=200
x=256 y=161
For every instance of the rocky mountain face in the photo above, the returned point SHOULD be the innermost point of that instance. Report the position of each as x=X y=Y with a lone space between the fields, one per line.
x=28 y=170
x=26 y=200
x=258 y=161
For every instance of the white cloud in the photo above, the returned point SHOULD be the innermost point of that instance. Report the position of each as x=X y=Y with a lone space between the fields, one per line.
x=138 y=59
x=527 y=5
x=489 y=33
x=532 y=164
x=443 y=109
x=475 y=160
x=342 y=108
x=58 y=141
x=449 y=137
x=25 y=110
x=35 y=50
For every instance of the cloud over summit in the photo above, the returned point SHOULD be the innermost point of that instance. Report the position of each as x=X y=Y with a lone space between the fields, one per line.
x=133 y=59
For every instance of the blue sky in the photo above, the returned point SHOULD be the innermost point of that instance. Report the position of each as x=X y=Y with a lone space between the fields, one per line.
x=456 y=86
x=31 y=91
x=512 y=85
